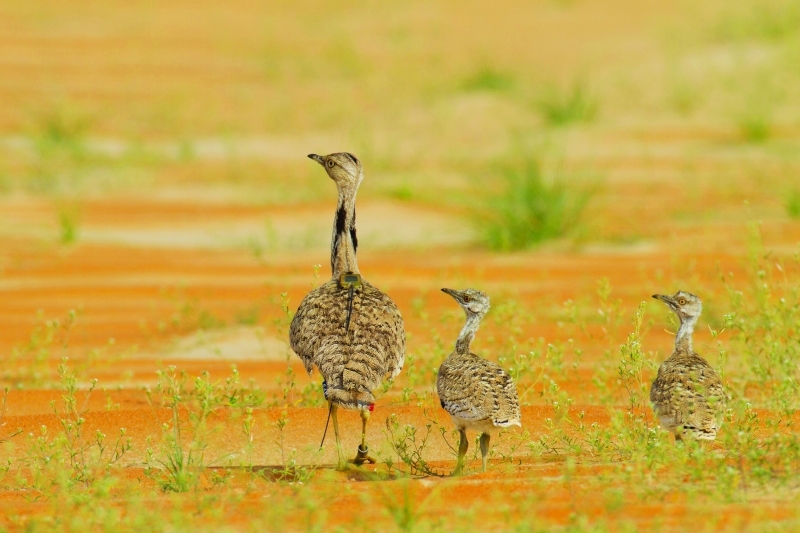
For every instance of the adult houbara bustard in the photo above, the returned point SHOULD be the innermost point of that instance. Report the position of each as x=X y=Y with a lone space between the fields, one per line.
x=478 y=394
x=352 y=332
x=687 y=394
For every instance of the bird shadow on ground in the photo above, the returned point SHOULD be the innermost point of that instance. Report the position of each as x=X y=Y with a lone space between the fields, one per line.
x=302 y=473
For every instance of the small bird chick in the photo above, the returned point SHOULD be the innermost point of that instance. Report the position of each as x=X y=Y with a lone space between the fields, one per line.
x=478 y=394
x=687 y=394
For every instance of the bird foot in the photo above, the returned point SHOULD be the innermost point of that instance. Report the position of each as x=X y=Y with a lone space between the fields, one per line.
x=363 y=457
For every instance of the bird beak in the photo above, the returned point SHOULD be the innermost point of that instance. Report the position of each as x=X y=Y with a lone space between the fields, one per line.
x=664 y=298
x=317 y=158
x=451 y=292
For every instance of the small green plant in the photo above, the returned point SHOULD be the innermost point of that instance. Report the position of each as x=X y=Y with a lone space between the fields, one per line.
x=401 y=505
x=409 y=443
x=68 y=220
x=84 y=454
x=60 y=154
x=29 y=363
x=61 y=128
x=188 y=315
x=628 y=435
x=403 y=192
x=685 y=96
x=290 y=470
x=792 y=203
x=71 y=458
x=755 y=127
x=533 y=207
x=632 y=366
x=179 y=460
x=560 y=107
x=487 y=78
x=248 y=430
x=5 y=436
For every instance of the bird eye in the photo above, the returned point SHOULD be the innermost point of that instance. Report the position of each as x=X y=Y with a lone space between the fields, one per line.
x=330 y=163
x=467 y=299
x=682 y=301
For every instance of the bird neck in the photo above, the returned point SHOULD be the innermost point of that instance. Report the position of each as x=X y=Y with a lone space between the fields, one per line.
x=344 y=241
x=683 y=339
x=467 y=334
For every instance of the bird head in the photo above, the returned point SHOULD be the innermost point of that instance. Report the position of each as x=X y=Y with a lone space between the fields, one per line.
x=684 y=304
x=473 y=301
x=342 y=167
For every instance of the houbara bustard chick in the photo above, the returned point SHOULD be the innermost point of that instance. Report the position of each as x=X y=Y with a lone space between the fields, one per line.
x=687 y=394
x=352 y=332
x=478 y=394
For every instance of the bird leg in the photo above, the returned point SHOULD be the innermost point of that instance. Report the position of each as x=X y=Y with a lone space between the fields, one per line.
x=340 y=463
x=362 y=456
x=484 y=448
x=462 y=451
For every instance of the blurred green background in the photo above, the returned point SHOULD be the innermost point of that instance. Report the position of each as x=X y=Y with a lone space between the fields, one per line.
x=583 y=121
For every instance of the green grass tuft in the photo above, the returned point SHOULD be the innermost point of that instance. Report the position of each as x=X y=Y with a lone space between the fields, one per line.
x=404 y=193
x=793 y=203
x=559 y=106
x=755 y=127
x=487 y=78
x=61 y=128
x=68 y=220
x=770 y=20
x=531 y=209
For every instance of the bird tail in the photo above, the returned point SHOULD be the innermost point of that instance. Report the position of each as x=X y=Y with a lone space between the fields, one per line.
x=360 y=400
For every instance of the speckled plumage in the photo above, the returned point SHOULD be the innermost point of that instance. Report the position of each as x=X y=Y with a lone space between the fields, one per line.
x=478 y=394
x=687 y=394
x=353 y=363
x=346 y=328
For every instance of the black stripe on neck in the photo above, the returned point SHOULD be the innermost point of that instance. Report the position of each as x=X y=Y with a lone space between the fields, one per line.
x=353 y=232
x=341 y=220
x=341 y=226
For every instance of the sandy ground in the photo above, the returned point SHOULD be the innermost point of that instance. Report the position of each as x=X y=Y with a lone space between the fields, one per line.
x=143 y=308
x=157 y=211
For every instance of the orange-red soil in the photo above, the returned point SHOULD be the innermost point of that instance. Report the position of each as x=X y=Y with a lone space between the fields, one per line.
x=183 y=126
x=172 y=307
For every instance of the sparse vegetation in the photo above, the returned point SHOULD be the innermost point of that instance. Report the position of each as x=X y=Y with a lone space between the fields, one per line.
x=755 y=127
x=487 y=78
x=69 y=456
x=770 y=21
x=68 y=220
x=562 y=106
x=534 y=206
x=701 y=113
x=31 y=362
x=409 y=442
x=792 y=203
x=180 y=458
x=209 y=429
x=7 y=433
x=61 y=128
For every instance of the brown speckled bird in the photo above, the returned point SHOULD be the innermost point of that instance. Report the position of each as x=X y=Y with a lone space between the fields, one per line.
x=478 y=394
x=352 y=332
x=687 y=394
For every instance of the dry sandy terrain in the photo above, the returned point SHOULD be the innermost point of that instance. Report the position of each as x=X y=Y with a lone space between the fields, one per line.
x=158 y=218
